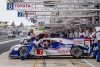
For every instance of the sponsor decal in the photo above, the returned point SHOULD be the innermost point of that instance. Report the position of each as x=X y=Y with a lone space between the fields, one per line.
x=63 y=51
x=78 y=41
x=22 y=5
x=19 y=6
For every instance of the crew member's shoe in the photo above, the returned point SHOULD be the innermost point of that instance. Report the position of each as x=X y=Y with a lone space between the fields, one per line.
x=22 y=58
x=98 y=60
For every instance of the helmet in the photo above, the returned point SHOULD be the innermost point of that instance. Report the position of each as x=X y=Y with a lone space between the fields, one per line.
x=32 y=30
x=97 y=28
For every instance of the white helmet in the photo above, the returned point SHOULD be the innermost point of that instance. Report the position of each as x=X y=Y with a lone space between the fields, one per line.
x=97 y=28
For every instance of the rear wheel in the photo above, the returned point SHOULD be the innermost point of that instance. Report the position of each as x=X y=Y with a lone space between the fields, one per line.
x=76 y=51
x=22 y=50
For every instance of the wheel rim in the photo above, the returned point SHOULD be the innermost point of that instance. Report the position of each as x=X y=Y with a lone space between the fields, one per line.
x=22 y=51
x=77 y=52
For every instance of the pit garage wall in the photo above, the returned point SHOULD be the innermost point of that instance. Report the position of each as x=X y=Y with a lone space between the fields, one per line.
x=76 y=33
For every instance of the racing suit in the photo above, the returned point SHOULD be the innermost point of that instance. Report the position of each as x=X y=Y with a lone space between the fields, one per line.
x=92 y=42
x=98 y=56
x=93 y=48
x=97 y=48
x=91 y=45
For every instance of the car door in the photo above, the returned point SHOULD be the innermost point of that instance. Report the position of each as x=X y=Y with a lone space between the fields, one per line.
x=65 y=46
x=62 y=49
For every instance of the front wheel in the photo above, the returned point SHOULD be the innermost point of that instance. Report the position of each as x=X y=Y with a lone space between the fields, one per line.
x=76 y=51
x=22 y=50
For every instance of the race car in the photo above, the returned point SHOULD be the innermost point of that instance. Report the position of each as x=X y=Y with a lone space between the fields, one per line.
x=76 y=47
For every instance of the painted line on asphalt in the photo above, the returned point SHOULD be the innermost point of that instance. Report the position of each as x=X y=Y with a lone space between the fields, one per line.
x=44 y=63
x=80 y=65
x=4 y=52
x=88 y=63
x=35 y=64
x=10 y=41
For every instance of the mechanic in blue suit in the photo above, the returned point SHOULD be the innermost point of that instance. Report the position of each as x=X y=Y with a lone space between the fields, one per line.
x=30 y=32
x=98 y=56
x=94 y=45
x=92 y=42
x=98 y=38
x=31 y=35
x=31 y=45
x=91 y=46
x=97 y=47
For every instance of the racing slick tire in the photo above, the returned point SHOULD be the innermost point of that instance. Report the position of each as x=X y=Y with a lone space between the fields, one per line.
x=22 y=50
x=76 y=51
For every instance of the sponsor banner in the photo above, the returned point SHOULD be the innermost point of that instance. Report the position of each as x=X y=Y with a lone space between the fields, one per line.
x=19 y=6
x=30 y=13
x=78 y=41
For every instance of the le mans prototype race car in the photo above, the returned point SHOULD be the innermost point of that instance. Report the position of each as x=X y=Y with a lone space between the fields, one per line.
x=76 y=47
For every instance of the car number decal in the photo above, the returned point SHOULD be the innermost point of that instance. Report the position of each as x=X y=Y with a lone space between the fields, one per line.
x=39 y=51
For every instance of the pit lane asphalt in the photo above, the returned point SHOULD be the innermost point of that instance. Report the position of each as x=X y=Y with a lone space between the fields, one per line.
x=6 y=46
